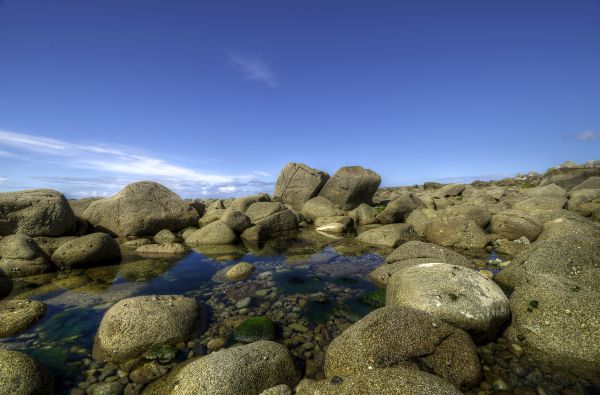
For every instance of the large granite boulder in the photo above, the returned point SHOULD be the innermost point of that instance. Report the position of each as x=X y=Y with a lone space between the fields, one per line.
x=22 y=375
x=457 y=295
x=569 y=177
x=478 y=214
x=420 y=218
x=568 y=227
x=21 y=256
x=236 y=220
x=514 y=224
x=388 y=381
x=456 y=231
x=37 y=212
x=215 y=233
x=449 y=190
x=18 y=315
x=364 y=214
x=95 y=249
x=319 y=207
x=141 y=208
x=397 y=210
x=351 y=186
x=242 y=203
x=132 y=326
x=272 y=216
x=550 y=190
x=297 y=183
x=391 y=235
x=589 y=183
x=397 y=336
x=248 y=369
x=584 y=201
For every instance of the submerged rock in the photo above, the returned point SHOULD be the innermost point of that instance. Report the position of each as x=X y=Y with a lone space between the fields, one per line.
x=22 y=375
x=141 y=208
x=459 y=296
x=18 y=315
x=37 y=212
x=255 y=329
x=248 y=369
x=166 y=249
x=21 y=256
x=91 y=250
x=350 y=186
x=392 y=337
x=134 y=325
x=238 y=272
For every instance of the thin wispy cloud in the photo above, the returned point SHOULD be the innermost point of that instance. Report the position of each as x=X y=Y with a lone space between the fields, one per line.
x=253 y=68
x=118 y=167
x=588 y=135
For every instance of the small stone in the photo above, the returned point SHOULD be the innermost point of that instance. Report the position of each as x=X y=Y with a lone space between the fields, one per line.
x=240 y=271
x=243 y=303
x=215 y=344
x=516 y=350
x=487 y=273
x=499 y=385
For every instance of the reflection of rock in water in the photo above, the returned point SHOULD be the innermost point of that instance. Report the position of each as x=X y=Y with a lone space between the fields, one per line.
x=145 y=269
x=222 y=253
x=6 y=285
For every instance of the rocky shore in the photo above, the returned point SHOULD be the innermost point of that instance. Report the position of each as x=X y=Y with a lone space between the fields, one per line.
x=332 y=285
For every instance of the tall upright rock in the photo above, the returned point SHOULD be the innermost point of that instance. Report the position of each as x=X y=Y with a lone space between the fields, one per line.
x=297 y=183
x=350 y=186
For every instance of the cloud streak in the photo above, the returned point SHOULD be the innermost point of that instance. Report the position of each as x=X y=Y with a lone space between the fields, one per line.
x=253 y=68
x=119 y=166
x=588 y=135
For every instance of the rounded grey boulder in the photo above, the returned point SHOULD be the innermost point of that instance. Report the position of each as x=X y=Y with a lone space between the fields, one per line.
x=134 y=325
x=18 y=315
x=388 y=235
x=297 y=183
x=215 y=233
x=457 y=231
x=21 y=256
x=272 y=216
x=514 y=224
x=236 y=220
x=22 y=375
x=141 y=208
x=319 y=207
x=37 y=212
x=241 y=370
x=350 y=186
x=95 y=249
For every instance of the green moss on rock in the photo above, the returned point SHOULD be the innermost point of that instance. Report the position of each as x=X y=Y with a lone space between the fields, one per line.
x=254 y=329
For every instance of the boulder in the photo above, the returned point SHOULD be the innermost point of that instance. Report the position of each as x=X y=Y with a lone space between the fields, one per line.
x=319 y=207
x=141 y=208
x=238 y=272
x=272 y=216
x=584 y=201
x=236 y=220
x=420 y=218
x=569 y=177
x=297 y=183
x=543 y=203
x=242 y=203
x=457 y=231
x=589 y=183
x=568 y=227
x=37 y=212
x=573 y=259
x=389 y=381
x=215 y=233
x=254 y=329
x=255 y=234
x=23 y=375
x=18 y=315
x=457 y=295
x=133 y=326
x=198 y=205
x=388 y=235
x=479 y=215
x=247 y=369
x=514 y=224
x=449 y=190
x=557 y=322
x=397 y=210
x=351 y=186
x=92 y=250
x=550 y=190
x=162 y=250
x=211 y=216
x=364 y=214
x=165 y=236
x=392 y=337
x=334 y=225
x=21 y=256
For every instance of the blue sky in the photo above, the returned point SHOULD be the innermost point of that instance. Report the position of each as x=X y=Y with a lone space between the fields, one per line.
x=214 y=97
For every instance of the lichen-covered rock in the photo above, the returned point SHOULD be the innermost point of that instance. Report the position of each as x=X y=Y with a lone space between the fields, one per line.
x=479 y=215
x=388 y=381
x=420 y=218
x=396 y=336
x=584 y=201
x=297 y=183
x=18 y=315
x=388 y=235
x=350 y=186
x=134 y=325
x=22 y=375
x=236 y=220
x=457 y=231
x=142 y=208
x=568 y=227
x=92 y=250
x=255 y=329
x=242 y=203
x=215 y=233
x=319 y=207
x=397 y=210
x=364 y=214
x=449 y=190
x=514 y=224
x=165 y=236
x=21 y=256
x=589 y=183
x=569 y=177
x=242 y=370
x=272 y=216
x=37 y=212
x=238 y=272
x=549 y=190
x=457 y=295
x=162 y=250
